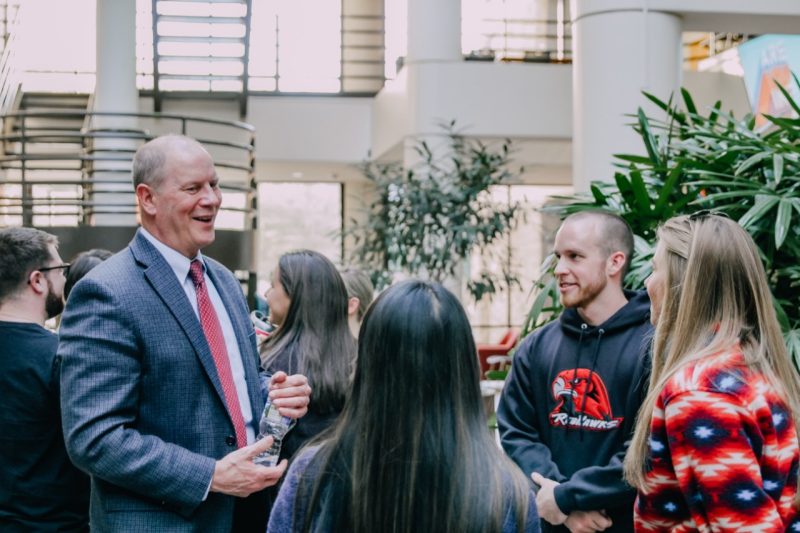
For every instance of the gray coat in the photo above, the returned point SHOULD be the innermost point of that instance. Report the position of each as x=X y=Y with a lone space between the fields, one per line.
x=142 y=405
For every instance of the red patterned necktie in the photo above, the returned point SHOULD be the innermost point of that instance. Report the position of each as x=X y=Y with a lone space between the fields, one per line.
x=216 y=341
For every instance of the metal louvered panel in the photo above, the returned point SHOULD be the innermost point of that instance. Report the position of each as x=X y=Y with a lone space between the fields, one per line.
x=220 y=65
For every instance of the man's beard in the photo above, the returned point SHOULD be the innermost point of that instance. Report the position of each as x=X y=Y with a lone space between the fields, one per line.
x=586 y=294
x=53 y=304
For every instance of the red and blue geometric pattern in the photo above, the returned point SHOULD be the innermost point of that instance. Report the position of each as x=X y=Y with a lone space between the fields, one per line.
x=723 y=453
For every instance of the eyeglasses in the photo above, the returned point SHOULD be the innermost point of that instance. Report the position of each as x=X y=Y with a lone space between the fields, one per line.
x=65 y=267
x=703 y=213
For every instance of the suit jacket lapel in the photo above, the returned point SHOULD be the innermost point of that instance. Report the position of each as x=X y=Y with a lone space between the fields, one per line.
x=162 y=278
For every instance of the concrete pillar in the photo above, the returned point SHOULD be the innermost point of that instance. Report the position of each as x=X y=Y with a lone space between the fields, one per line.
x=115 y=91
x=434 y=31
x=620 y=48
x=434 y=38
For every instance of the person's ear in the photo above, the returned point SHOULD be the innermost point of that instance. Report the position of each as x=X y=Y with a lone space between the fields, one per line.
x=37 y=282
x=146 y=198
x=352 y=305
x=615 y=264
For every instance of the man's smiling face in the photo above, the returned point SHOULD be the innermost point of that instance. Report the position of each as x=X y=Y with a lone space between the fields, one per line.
x=186 y=199
x=581 y=267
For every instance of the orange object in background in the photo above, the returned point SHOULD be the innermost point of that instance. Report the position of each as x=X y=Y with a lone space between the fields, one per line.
x=505 y=345
x=770 y=100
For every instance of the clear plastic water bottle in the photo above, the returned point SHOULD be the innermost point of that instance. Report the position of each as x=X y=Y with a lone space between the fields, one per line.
x=273 y=425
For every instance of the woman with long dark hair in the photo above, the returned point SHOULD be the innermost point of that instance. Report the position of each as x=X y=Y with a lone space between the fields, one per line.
x=411 y=451
x=716 y=445
x=308 y=302
x=81 y=264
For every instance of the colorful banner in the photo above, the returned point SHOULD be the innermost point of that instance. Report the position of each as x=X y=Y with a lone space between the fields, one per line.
x=769 y=60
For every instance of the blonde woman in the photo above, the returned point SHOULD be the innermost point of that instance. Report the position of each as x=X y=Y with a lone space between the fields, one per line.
x=715 y=446
x=360 y=293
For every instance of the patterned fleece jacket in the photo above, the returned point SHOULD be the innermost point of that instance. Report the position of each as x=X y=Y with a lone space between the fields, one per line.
x=723 y=453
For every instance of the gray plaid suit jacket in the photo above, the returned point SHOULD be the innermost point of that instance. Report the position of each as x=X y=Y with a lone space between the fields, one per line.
x=142 y=405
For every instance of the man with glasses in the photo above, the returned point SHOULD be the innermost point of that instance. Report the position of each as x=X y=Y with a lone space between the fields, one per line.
x=40 y=489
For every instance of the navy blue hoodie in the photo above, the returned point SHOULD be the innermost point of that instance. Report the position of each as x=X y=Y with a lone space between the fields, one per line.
x=570 y=404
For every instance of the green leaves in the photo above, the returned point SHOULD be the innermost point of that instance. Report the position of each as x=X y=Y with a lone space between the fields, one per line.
x=428 y=219
x=777 y=168
x=695 y=158
x=545 y=304
x=688 y=102
x=648 y=138
x=792 y=338
x=754 y=215
x=783 y=221
x=751 y=161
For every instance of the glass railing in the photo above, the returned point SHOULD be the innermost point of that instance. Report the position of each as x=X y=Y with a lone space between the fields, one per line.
x=526 y=40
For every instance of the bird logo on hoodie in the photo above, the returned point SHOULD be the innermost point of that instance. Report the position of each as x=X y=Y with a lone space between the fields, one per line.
x=582 y=401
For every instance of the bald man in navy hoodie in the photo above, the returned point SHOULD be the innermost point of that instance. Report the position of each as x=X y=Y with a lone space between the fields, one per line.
x=568 y=410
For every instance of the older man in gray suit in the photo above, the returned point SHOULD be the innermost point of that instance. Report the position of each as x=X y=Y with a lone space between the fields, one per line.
x=160 y=391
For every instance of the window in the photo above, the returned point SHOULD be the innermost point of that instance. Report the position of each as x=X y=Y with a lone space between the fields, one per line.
x=524 y=250
x=295 y=46
x=67 y=62
x=294 y=216
x=396 y=35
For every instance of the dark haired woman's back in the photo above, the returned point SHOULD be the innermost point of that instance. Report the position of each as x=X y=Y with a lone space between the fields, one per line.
x=292 y=506
x=411 y=451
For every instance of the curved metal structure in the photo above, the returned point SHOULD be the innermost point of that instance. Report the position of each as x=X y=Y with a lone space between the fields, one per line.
x=68 y=172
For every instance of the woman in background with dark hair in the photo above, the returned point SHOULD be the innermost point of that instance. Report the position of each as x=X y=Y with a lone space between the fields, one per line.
x=81 y=264
x=412 y=451
x=308 y=303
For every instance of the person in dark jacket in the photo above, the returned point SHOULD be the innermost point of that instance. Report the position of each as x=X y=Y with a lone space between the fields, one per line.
x=308 y=302
x=40 y=489
x=568 y=410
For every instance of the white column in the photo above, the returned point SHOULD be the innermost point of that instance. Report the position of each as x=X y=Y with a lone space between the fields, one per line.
x=115 y=91
x=434 y=31
x=434 y=36
x=620 y=48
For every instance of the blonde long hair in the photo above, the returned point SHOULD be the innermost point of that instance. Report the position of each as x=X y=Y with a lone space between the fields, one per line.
x=716 y=295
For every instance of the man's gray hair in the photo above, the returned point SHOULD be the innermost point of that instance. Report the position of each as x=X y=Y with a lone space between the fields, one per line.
x=151 y=157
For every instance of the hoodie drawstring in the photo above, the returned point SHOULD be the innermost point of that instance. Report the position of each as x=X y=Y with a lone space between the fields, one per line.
x=600 y=333
x=584 y=327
